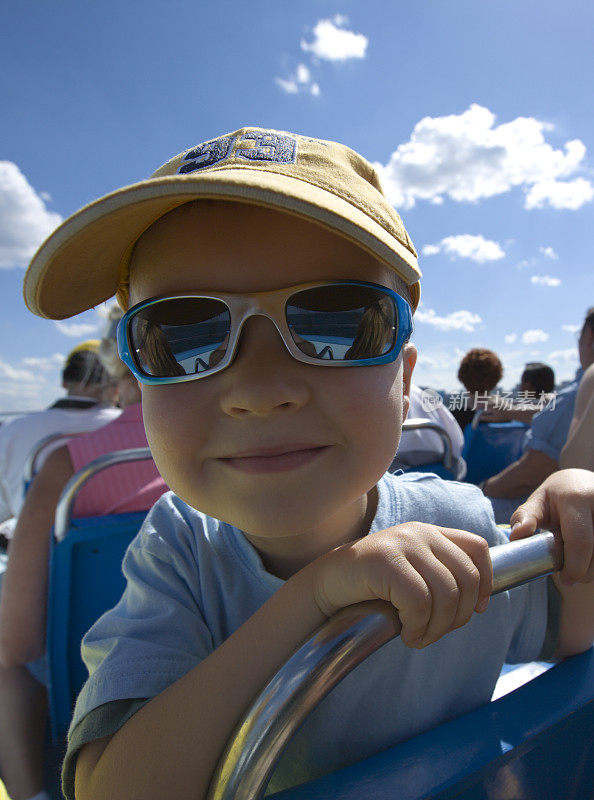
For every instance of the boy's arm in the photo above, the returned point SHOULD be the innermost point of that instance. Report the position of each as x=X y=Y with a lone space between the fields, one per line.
x=23 y=602
x=578 y=450
x=565 y=504
x=518 y=413
x=435 y=577
x=521 y=477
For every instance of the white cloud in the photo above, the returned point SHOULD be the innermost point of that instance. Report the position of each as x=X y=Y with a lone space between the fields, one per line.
x=560 y=194
x=45 y=364
x=571 y=328
x=76 y=329
x=10 y=373
x=510 y=338
x=300 y=81
x=104 y=310
x=526 y=262
x=548 y=252
x=425 y=360
x=466 y=157
x=28 y=386
x=24 y=219
x=545 y=280
x=564 y=356
x=333 y=42
x=534 y=336
x=465 y=245
x=456 y=320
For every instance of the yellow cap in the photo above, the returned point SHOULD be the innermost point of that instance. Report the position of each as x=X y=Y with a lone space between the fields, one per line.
x=85 y=261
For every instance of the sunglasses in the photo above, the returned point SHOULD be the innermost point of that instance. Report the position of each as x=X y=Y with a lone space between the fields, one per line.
x=331 y=323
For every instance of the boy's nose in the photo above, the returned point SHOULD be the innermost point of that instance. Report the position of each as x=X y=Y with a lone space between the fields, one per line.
x=264 y=378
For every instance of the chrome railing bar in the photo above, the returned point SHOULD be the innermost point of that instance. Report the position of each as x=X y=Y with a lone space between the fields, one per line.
x=336 y=648
x=419 y=423
x=29 y=470
x=69 y=492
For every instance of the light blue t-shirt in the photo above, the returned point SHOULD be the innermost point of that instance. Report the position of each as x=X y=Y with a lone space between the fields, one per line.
x=549 y=428
x=193 y=580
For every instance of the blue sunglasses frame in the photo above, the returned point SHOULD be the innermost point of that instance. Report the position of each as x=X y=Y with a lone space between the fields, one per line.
x=269 y=304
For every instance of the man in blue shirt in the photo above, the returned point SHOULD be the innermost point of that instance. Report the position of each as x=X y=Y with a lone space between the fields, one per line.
x=543 y=442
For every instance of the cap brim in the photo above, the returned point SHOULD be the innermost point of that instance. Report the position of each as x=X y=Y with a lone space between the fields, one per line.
x=77 y=266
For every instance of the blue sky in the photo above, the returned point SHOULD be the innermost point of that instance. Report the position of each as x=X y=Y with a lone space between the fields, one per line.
x=478 y=115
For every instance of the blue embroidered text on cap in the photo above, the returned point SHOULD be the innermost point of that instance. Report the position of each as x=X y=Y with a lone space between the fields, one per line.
x=253 y=146
x=268 y=147
x=207 y=154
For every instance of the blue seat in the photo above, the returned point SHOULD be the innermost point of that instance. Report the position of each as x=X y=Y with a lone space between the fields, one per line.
x=490 y=447
x=534 y=743
x=447 y=467
x=85 y=580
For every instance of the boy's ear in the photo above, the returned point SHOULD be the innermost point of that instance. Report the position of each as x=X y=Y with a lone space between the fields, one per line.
x=409 y=359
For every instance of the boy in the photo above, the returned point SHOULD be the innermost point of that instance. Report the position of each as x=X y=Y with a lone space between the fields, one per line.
x=268 y=284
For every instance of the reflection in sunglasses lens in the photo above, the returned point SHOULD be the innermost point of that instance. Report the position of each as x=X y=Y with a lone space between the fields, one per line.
x=180 y=336
x=342 y=323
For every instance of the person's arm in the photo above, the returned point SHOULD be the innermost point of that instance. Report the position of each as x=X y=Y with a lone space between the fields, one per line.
x=517 y=413
x=578 y=450
x=521 y=477
x=435 y=577
x=23 y=601
x=565 y=504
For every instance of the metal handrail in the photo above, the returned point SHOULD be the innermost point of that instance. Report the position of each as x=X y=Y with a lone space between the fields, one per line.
x=29 y=470
x=69 y=492
x=477 y=418
x=421 y=423
x=335 y=649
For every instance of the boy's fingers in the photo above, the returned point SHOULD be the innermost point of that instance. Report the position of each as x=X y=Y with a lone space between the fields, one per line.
x=529 y=516
x=413 y=600
x=455 y=575
x=463 y=598
x=477 y=549
x=445 y=598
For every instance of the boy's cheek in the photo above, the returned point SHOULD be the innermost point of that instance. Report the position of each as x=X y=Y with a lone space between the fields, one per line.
x=169 y=416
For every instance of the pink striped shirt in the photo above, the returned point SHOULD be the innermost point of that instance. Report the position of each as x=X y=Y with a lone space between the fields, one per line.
x=124 y=487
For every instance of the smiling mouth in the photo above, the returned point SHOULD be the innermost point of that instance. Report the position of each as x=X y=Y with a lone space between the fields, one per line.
x=274 y=460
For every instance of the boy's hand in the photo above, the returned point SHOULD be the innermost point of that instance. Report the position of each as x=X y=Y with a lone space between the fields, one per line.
x=435 y=577
x=563 y=503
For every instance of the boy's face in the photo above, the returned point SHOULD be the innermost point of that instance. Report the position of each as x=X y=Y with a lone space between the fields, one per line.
x=279 y=448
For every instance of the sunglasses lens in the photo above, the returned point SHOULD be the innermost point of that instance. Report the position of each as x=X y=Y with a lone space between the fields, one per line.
x=181 y=336
x=343 y=322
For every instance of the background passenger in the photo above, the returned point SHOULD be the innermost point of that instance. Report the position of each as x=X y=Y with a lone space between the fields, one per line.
x=537 y=379
x=88 y=405
x=23 y=600
x=480 y=371
x=543 y=440
x=578 y=450
x=536 y=384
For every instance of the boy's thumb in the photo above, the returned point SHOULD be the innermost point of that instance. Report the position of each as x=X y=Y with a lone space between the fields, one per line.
x=528 y=517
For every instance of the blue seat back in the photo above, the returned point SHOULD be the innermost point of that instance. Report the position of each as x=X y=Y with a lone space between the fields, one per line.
x=534 y=743
x=85 y=581
x=490 y=447
x=448 y=467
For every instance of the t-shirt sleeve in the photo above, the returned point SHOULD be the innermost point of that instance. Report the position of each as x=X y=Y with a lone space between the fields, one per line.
x=549 y=429
x=102 y=721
